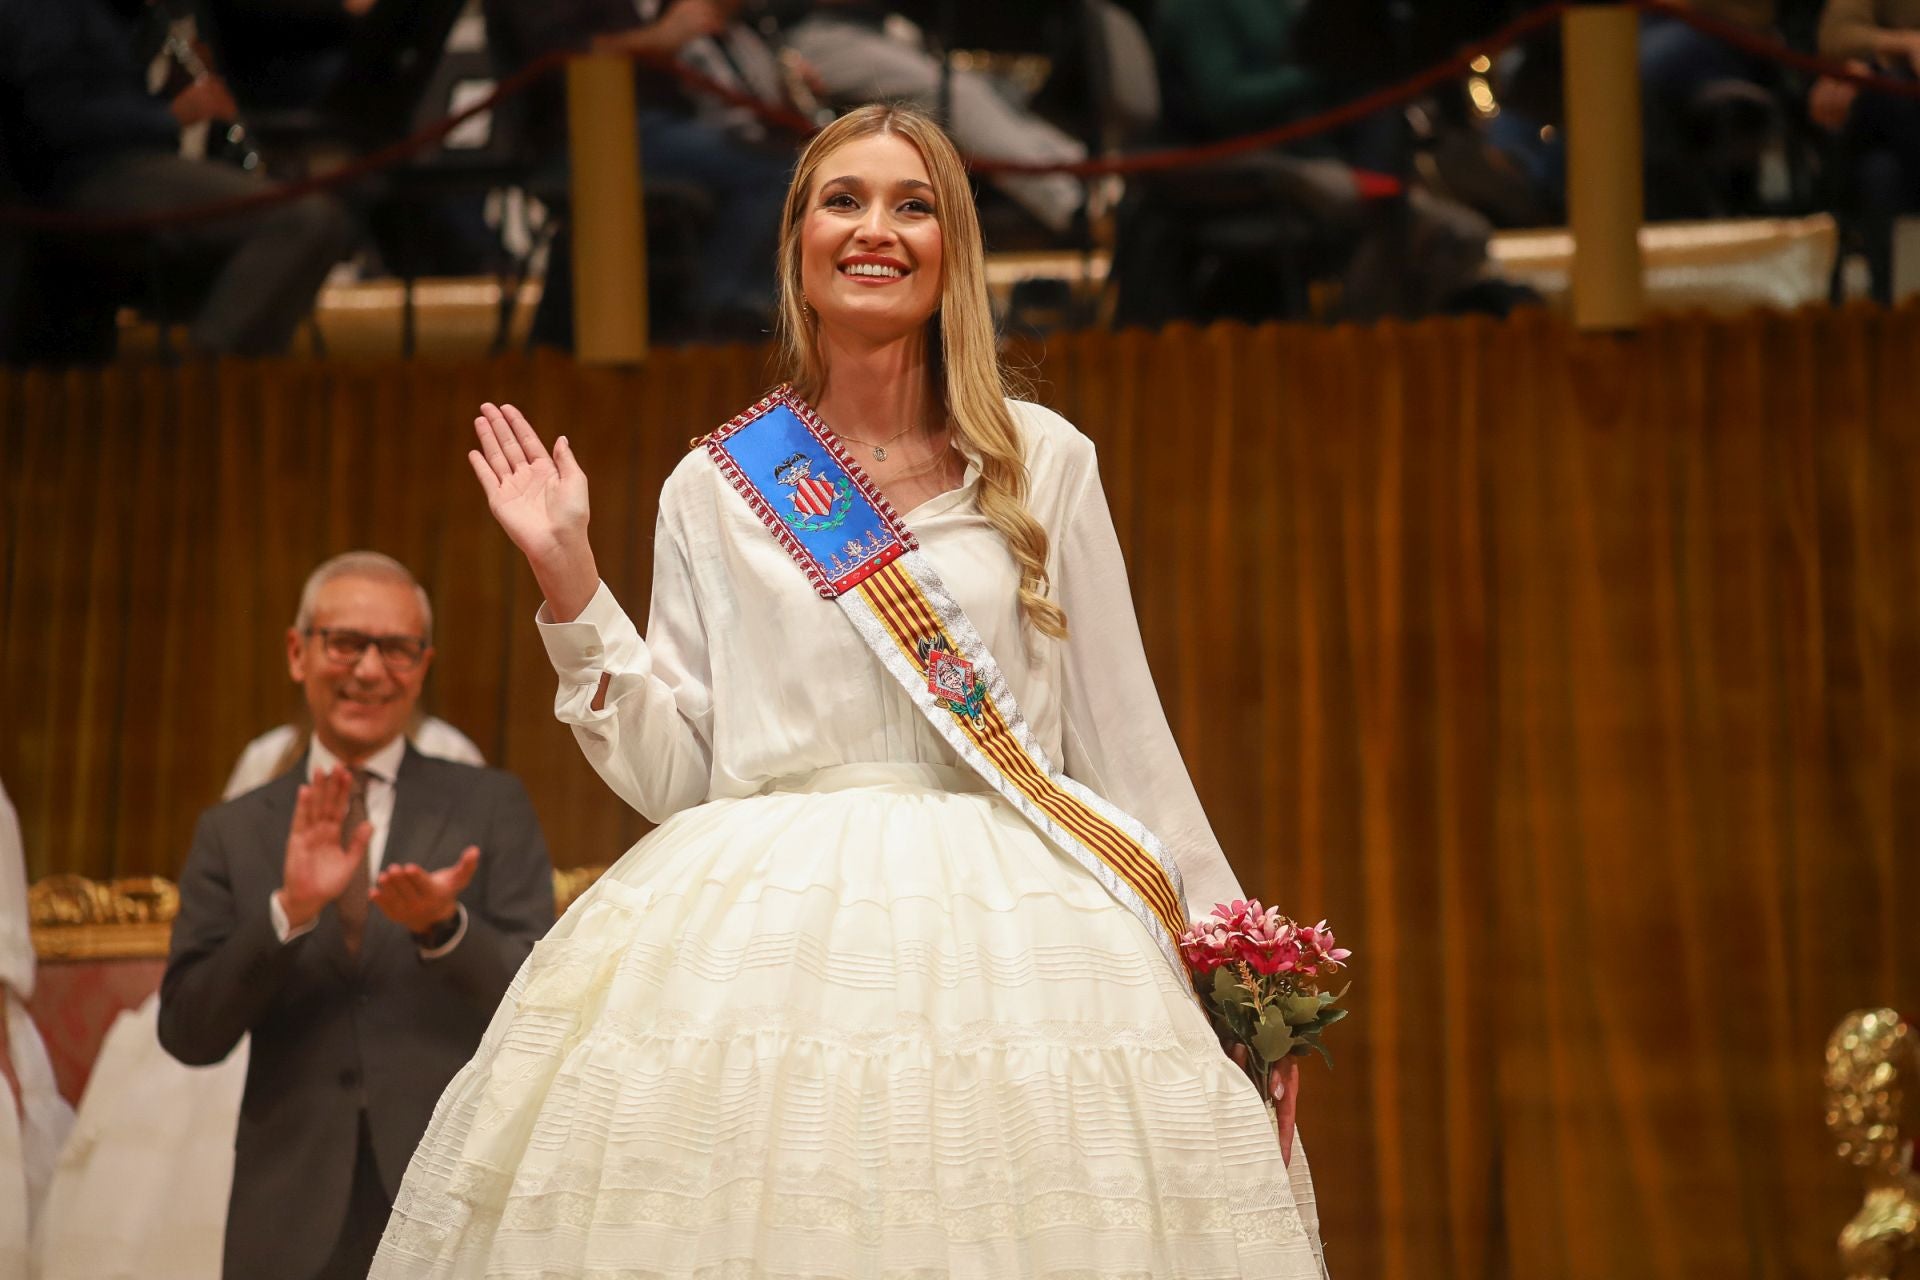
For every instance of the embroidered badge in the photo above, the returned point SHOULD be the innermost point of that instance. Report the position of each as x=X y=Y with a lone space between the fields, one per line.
x=856 y=554
x=951 y=679
x=819 y=503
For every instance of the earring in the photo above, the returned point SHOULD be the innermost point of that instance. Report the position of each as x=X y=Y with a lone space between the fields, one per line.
x=806 y=309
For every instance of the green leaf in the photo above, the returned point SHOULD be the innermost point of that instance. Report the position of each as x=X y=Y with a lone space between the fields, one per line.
x=1274 y=1040
x=1228 y=991
x=1299 y=1011
x=1332 y=1016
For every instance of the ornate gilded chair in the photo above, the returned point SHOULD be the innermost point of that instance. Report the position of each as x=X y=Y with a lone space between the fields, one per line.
x=1867 y=1056
x=102 y=947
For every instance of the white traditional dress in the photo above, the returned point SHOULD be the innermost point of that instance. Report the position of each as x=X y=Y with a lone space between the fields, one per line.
x=34 y=1122
x=845 y=1013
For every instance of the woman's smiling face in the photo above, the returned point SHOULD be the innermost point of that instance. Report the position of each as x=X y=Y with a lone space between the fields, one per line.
x=870 y=242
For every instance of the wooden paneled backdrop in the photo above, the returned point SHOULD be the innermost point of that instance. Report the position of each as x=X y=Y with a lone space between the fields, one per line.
x=1577 y=679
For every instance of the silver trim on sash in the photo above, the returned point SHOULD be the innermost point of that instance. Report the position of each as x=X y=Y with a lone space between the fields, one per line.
x=960 y=630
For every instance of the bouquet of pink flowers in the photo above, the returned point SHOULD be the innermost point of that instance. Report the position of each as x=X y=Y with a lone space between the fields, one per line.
x=1260 y=976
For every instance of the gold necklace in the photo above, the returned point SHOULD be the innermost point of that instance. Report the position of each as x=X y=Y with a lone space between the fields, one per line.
x=879 y=447
x=914 y=472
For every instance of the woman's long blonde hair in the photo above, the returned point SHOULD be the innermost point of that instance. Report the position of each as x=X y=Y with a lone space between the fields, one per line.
x=964 y=356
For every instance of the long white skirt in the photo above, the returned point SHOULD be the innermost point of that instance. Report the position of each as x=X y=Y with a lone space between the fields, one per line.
x=867 y=1024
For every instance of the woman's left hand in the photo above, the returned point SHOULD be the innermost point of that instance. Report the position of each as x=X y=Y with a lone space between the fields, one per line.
x=1283 y=1086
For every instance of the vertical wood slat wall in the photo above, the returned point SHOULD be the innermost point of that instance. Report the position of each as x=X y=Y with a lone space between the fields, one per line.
x=1577 y=679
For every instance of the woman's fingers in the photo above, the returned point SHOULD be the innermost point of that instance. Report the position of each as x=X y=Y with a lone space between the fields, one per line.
x=503 y=431
x=488 y=481
x=524 y=434
x=490 y=446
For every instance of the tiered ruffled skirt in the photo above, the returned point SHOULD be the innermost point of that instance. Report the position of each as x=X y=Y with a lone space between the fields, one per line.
x=865 y=1025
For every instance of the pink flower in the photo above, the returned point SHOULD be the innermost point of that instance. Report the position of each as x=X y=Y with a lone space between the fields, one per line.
x=1238 y=914
x=1321 y=948
x=1243 y=932
x=1208 y=945
x=1270 y=944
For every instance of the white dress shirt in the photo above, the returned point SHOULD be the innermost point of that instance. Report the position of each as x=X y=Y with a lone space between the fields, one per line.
x=260 y=760
x=382 y=768
x=745 y=678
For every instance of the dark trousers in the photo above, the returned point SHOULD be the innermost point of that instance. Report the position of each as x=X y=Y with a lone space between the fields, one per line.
x=367 y=1212
x=748 y=186
x=266 y=264
x=1883 y=140
x=1675 y=62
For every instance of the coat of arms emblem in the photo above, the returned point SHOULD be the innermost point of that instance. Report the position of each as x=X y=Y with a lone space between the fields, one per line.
x=819 y=503
x=951 y=679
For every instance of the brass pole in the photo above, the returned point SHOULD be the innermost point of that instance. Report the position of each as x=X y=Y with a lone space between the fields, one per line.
x=1604 y=165
x=609 y=231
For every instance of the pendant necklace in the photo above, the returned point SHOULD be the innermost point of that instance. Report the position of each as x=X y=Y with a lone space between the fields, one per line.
x=879 y=447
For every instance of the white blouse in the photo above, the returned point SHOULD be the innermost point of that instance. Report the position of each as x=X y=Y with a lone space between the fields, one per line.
x=747 y=675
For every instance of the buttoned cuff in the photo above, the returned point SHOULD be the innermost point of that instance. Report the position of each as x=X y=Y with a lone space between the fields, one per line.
x=281 y=929
x=459 y=932
x=601 y=639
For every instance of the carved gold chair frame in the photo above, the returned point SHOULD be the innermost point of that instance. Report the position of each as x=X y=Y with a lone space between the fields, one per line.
x=1868 y=1056
x=74 y=918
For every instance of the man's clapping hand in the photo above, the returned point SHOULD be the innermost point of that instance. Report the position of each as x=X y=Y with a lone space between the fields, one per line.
x=418 y=900
x=319 y=864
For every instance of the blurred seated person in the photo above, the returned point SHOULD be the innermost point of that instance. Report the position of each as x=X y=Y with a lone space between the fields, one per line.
x=1677 y=64
x=865 y=51
x=81 y=133
x=1881 y=132
x=1230 y=67
x=681 y=139
x=275 y=751
x=284 y=54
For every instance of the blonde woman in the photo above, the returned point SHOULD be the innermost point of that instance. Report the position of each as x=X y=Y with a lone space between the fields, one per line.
x=861 y=1006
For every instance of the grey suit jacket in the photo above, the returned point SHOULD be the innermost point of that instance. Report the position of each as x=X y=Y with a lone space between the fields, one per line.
x=332 y=1035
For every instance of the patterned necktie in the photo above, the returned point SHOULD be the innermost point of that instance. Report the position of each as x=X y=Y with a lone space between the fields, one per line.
x=353 y=902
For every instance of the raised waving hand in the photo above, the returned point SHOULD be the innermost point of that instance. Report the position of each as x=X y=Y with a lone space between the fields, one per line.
x=540 y=499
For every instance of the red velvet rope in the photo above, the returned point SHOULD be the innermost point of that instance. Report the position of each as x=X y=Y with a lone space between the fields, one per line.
x=1772 y=50
x=1159 y=161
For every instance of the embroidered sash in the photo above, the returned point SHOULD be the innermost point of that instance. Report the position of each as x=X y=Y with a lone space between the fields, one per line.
x=845 y=536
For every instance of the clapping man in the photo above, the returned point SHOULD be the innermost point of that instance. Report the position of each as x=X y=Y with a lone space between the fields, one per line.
x=360 y=916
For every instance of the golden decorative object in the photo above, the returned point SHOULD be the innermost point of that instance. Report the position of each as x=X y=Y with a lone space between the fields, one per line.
x=1866 y=1055
x=75 y=900
x=570 y=884
x=74 y=918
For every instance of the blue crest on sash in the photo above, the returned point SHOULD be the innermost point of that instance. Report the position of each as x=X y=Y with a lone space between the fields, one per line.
x=800 y=483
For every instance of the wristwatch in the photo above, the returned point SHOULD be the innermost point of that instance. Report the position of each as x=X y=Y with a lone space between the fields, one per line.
x=440 y=934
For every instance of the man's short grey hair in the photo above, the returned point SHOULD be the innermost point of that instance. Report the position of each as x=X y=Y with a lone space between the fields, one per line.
x=361 y=564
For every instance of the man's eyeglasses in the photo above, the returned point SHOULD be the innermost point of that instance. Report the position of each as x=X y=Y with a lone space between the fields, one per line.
x=400 y=653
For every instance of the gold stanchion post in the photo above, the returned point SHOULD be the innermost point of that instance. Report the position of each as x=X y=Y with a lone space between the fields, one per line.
x=609 y=231
x=1604 y=164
